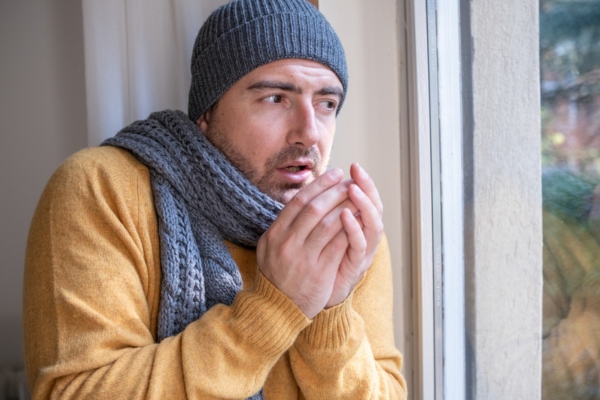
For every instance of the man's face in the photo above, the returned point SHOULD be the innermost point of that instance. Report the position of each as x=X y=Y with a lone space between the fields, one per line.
x=276 y=124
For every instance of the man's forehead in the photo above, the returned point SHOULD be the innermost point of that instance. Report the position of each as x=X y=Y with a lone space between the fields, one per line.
x=289 y=70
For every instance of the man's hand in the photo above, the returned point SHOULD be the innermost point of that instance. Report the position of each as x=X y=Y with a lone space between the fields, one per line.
x=324 y=240
x=363 y=234
x=302 y=250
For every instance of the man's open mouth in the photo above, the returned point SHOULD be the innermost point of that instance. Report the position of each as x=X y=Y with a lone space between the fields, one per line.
x=296 y=168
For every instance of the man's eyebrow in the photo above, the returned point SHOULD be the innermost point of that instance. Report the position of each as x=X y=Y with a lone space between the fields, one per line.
x=288 y=87
x=329 y=90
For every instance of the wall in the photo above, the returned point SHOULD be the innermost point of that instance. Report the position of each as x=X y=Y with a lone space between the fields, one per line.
x=504 y=230
x=369 y=130
x=42 y=109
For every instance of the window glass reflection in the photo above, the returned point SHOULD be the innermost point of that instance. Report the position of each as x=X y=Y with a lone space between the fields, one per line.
x=570 y=88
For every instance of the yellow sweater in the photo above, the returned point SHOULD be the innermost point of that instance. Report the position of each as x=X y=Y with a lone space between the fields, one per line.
x=91 y=300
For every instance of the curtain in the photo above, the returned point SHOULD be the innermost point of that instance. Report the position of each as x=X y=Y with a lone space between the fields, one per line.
x=137 y=58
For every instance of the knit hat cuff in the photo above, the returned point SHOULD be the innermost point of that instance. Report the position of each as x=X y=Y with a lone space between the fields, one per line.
x=259 y=42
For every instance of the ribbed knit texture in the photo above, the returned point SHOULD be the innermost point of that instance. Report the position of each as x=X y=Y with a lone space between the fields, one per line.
x=245 y=34
x=200 y=200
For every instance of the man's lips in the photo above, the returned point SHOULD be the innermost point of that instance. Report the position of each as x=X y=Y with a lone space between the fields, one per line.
x=296 y=168
x=300 y=163
x=296 y=171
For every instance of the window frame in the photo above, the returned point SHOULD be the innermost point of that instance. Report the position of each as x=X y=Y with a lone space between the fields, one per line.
x=461 y=242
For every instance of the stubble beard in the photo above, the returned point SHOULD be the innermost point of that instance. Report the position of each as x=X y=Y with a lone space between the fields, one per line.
x=267 y=182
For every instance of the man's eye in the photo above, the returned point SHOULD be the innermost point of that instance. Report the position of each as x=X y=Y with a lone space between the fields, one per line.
x=330 y=105
x=276 y=98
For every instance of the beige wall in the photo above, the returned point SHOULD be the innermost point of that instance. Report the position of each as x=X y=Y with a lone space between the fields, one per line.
x=369 y=129
x=504 y=265
x=42 y=114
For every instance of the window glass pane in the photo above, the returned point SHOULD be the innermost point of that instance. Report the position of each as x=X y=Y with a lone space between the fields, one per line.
x=570 y=89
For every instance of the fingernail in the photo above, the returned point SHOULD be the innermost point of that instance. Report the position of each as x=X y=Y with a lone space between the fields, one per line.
x=357 y=190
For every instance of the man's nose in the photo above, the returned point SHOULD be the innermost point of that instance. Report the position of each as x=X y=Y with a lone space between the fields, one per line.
x=304 y=129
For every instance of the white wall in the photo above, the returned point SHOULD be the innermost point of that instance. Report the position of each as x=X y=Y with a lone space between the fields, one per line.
x=43 y=120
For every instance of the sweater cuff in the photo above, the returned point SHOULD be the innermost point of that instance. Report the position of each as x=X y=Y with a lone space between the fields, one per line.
x=269 y=318
x=330 y=328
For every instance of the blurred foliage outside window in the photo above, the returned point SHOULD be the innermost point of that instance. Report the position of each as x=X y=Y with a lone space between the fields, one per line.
x=570 y=72
x=570 y=98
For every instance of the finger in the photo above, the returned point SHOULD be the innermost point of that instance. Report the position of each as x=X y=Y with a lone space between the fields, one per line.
x=332 y=254
x=356 y=239
x=364 y=181
x=329 y=225
x=354 y=264
x=313 y=213
x=369 y=215
x=304 y=196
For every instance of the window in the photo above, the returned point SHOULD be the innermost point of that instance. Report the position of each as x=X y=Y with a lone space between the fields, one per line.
x=570 y=114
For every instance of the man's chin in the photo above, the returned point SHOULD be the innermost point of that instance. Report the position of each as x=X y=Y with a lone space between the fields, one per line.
x=282 y=193
x=284 y=196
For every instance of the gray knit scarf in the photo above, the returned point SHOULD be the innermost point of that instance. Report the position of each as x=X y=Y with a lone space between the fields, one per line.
x=200 y=199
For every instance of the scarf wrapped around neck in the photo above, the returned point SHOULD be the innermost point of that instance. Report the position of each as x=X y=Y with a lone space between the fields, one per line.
x=200 y=199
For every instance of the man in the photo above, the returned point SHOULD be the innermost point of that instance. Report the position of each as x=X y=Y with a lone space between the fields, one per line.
x=213 y=255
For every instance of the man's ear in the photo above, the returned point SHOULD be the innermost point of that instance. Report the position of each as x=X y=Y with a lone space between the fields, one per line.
x=203 y=121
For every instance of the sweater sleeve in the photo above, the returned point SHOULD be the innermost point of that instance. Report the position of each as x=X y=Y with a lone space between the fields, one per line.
x=348 y=351
x=91 y=298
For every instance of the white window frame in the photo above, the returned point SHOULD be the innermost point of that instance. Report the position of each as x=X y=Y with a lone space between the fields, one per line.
x=436 y=146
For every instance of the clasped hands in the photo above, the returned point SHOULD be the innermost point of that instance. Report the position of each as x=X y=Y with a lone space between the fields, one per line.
x=324 y=240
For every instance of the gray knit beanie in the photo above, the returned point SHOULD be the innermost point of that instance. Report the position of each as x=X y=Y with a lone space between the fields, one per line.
x=245 y=34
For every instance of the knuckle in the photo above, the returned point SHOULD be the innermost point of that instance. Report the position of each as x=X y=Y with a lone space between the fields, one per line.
x=342 y=190
x=300 y=200
x=363 y=248
x=326 y=225
x=270 y=234
x=324 y=181
x=263 y=241
x=379 y=227
x=312 y=209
